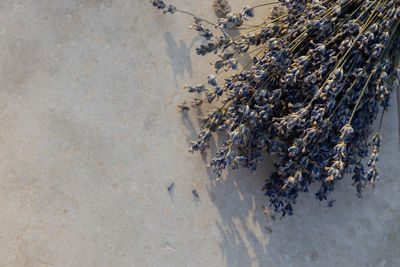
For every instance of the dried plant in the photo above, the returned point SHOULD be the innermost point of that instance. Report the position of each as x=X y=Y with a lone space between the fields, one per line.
x=221 y=8
x=321 y=73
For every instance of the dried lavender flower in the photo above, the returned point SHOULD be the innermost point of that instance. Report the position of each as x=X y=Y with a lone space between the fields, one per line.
x=183 y=107
x=171 y=187
x=194 y=192
x=221 y=8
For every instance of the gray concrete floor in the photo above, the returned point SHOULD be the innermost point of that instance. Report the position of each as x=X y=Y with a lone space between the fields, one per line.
x=90 y=139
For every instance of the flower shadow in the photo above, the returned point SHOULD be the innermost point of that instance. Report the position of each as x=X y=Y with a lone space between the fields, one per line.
x=243 y=224
x=179 y=56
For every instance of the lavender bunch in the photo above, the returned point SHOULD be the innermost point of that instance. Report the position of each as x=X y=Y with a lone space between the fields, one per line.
x=321 y=73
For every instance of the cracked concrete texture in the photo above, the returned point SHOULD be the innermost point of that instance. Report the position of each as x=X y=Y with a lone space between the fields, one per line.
x=91 y=140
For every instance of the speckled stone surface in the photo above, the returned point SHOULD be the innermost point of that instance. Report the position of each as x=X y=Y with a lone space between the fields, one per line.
x=90 y=140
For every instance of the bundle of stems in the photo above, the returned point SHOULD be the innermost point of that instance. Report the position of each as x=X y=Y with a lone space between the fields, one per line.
x=321 y=73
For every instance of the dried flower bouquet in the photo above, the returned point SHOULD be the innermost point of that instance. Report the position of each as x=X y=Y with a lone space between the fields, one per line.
x=321 y=73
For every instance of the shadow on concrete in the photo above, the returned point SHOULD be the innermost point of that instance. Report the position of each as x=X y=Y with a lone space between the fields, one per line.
x=244 y=226
x=179 y=56
x=245 y=223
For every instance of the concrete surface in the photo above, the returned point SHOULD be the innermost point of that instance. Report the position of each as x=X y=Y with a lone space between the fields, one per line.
x=90 y=139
